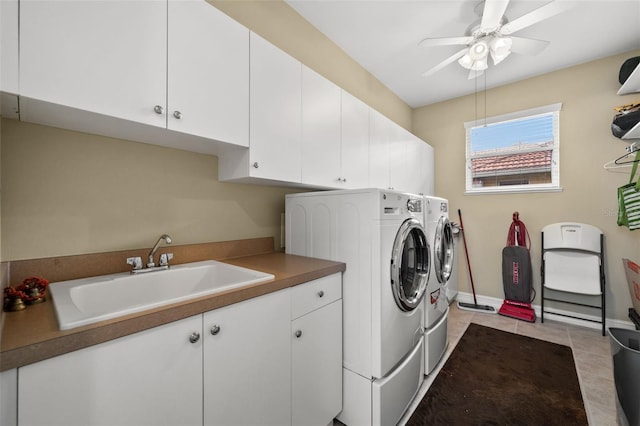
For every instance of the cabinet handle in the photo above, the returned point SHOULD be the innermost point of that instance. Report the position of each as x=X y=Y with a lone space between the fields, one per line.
x=320 y=293
x=158 y=109
x=298 y=333
x=215 y=329
x=195 y=336
x=255 y=165
x=177 y=114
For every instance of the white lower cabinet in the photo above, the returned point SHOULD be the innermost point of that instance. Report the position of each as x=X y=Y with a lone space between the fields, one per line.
x=316 y=330
x=317 y=366
x=247 y=362
x=242 y=364
x=149 y=378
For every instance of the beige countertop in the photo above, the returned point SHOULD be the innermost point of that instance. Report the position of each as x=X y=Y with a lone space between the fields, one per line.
x=33 y=334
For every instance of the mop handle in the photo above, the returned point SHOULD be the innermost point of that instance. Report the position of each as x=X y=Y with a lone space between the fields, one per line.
x=464 y=240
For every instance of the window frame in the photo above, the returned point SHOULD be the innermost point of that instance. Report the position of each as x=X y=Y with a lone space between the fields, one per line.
x=554 y=186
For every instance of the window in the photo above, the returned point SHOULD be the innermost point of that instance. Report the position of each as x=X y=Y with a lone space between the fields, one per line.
x=515 y=152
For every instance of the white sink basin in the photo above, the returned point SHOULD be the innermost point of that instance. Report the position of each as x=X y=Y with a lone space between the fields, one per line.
x=89 y=300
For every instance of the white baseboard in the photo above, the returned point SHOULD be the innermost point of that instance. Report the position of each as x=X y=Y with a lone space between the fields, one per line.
x=551 y=313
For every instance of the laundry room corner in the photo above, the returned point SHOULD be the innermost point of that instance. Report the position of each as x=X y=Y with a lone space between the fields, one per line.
x=588 y=191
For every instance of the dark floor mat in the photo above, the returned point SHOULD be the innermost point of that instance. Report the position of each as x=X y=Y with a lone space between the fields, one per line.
x=498 y=378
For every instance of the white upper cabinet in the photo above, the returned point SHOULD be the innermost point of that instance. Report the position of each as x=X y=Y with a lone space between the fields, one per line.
x=320 y=130
x=380 y=135
x=401 y=165
x=398 y=159
x=208 y=76
x=354 y=162
x=275 y=115
x=425 y=171
x=410 y=165
x=99 y=56
x=181 y=65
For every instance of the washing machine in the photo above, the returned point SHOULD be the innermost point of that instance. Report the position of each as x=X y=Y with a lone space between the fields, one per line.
x=380 y=236
x=436 y=305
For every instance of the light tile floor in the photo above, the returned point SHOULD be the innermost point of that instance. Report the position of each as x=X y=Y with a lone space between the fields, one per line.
x=591 y=352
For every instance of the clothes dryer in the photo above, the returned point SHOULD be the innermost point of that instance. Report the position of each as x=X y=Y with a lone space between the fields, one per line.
x=436 y=305
x=379 y=234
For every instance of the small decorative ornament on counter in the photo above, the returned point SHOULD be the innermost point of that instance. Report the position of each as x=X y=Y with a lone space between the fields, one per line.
x=32 y=290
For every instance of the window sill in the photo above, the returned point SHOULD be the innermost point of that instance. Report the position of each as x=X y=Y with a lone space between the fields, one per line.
x=511 y=191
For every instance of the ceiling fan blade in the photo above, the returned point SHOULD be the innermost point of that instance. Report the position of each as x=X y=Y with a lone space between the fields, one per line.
x=445 y=41
x=527 y=46
x=492 y=14
x=446 y=62
x=540 y=14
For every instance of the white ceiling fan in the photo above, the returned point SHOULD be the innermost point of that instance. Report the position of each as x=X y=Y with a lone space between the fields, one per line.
x=492 y=36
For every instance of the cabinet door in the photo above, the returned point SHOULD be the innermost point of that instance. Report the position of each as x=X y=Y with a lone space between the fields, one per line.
x=247 y=362
x=317 y=366
x=401 y=165
x=320 y=130
x=355 y=142
x=149 y=378
x=275 y=112
x=107 y=57
x=379 y=141
x=208 y=75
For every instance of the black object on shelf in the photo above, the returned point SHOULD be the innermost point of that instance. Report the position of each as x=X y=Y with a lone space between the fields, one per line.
x=635 y=318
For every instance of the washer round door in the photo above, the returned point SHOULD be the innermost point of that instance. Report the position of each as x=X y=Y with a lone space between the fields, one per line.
x=443 y=251
x=410 y=265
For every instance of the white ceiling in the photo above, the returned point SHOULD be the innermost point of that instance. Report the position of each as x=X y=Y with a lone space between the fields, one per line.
x=383 y=37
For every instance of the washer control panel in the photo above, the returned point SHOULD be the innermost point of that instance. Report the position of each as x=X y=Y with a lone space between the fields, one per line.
x=414 y=205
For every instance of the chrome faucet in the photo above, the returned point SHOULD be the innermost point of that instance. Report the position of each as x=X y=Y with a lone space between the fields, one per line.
x=163 y=262
x=167 y=239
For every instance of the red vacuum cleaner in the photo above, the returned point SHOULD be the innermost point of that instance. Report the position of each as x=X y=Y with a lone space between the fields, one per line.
x=516 y=273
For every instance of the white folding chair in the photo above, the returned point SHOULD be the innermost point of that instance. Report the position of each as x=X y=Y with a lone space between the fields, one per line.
x=572 y=265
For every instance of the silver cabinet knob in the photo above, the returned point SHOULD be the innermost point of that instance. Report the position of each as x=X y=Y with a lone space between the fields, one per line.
x=215 y=329
x=177 y=114
x=158 y=109
x=298 y=333
x=195 y=336
x=320 y=293
x=255 y=165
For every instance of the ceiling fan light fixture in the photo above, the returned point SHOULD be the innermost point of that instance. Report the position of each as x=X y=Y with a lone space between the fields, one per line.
x=479 y=65
x=500 y=48
x=479 y=51
x=466 y=61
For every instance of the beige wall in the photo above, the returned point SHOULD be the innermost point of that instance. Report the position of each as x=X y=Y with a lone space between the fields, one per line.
x=72 y=193
x=588 y=95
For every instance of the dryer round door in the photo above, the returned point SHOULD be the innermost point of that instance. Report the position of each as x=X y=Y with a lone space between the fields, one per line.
x=410 y=265
x=443 y=251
